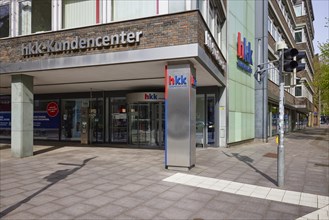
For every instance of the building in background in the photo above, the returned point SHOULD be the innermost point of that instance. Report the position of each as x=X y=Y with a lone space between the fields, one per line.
x=290 y=21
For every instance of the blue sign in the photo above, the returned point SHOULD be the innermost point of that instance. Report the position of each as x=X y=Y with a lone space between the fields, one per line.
x=41 y=120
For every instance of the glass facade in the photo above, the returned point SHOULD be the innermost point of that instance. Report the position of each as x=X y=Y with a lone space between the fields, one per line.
x=119 y=121
x=128 y=9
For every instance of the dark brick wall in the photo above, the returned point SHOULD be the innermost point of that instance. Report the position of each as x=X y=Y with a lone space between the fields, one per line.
x=159 y=31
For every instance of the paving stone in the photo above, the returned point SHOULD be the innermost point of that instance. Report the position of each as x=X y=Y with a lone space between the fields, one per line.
x=41 y=199
x=189 y=204
x=45 y=209
x=109 y=211
x=106 y=187
x=159 y=203
x=143 y=212
x=144 y=194
x=132 y=187
x=175 y=213
x=244 y=215
x=57 y=216
x=22 y=215
x=128 y=202
x=209 y=214
x=78 y=209
x=69 y=200
x=117 y=193
x=99 y=200
x=89 y=193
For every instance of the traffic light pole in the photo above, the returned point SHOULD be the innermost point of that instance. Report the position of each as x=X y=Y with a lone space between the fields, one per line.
x=280 y=150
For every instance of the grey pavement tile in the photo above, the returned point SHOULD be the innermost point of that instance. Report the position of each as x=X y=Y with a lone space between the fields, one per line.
x=171 y=195
x=11 y=192
x=91 y=216
x=143 y=212
x=226 y=197
x=109 y=211
x=158 y=188
x=89 y=193
x=244 y=215
x=174 y=213
x=57 y=216
x=132 y=187
x=106 y=186
x=253 y=205
x=222 y=206
x=117 y=193
x=209 y=214
x=99 y=200
x=8 y=186
x=159 y=203
x=284 y=208
x=125 y=217
x=45 y=209
x=199 y=196
x=183 y=189
x=22 y=215
x=77 y=209
x=60 y=193
x=69 y=200
x=273 y=215
x=41 y=199
x=144 y=194
x=32 y=186
x=81 y=187
x=145 y=182
x=304 y=210
x=189 y=204
x=6 y=201
x=11 y=210
x=128 y=202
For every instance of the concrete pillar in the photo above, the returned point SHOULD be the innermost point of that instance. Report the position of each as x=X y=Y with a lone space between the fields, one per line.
x=22 y=116
x=180 y=104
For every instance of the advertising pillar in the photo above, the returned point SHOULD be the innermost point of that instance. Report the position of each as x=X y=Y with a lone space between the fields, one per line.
x=180 y=104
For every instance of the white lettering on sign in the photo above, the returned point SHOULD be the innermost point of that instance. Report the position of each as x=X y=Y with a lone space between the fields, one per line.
x=52 y=46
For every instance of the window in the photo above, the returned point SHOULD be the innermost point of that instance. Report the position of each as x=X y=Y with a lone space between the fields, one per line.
x=298 y=10
x=298 y=91
x=176 y=6
x=77 y=13
x=299 y=36
x=269 y=25
x=287 y=80
x=4 y=20
x=34 y=16
x=129 y=9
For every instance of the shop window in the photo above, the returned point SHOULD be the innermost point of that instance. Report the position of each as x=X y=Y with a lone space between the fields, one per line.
x=4 y=20
x=299 y=36
x=34 y=16
x=119 y=121
x=129 y=9
x=77 y=13
x=176 y=5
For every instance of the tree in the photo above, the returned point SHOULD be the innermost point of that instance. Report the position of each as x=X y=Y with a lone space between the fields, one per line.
x=321 y=79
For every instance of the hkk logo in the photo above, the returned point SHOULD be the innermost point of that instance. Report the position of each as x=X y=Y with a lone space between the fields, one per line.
x=244 y=51
x=150 y=97
x=178 y=81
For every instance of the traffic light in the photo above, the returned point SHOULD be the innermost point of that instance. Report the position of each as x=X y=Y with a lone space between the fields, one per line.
x=301 y=66
x=292 y=59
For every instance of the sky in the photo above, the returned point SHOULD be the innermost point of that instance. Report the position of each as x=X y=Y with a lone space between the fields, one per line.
x=321 y=18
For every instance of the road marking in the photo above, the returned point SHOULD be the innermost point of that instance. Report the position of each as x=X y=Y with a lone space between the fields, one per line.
x=273 y=194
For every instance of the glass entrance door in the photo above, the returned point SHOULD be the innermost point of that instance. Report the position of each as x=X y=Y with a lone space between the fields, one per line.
x=146 y=124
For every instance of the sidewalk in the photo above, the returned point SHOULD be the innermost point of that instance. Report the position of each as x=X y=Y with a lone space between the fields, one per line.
x=69 y=182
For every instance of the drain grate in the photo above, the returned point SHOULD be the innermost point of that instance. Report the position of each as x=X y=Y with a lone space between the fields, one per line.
x=270 y=155
x=321 y=165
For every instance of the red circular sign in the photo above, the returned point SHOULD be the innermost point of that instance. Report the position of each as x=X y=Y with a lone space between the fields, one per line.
x=52 y=109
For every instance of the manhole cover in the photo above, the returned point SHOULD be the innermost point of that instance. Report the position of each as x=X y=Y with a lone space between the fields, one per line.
x=270 y=155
